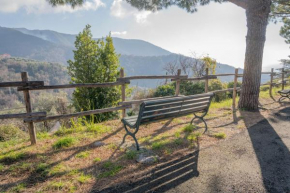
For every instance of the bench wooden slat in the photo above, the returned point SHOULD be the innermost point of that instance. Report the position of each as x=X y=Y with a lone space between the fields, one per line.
x=172 y=114
x=176 y=103
x=149 y=103
x=176 y=108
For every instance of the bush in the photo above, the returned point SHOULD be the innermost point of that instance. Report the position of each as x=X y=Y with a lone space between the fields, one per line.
x=217 y=85
x=8 y=132
x=165 y=90
x=231 y=85
x=191 y=88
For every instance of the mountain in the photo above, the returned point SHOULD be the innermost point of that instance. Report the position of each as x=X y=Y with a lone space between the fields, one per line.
x=122 y=46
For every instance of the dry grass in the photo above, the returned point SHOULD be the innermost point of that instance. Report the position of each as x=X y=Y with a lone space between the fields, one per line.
x=69 y=161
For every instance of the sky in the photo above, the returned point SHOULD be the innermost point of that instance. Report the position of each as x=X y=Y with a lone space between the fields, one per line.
x=216 y=30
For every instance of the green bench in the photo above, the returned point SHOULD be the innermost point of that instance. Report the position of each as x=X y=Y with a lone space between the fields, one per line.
x=156 y=110
x=284 y=94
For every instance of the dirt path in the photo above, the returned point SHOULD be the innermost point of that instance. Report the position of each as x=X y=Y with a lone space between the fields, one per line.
x=255 y=160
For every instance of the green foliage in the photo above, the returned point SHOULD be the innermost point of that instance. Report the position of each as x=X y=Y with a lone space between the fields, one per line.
x=8 y=132
x=165 y=90
x=12 y=157
x=217 y=85
x=97 y=159
x=191 y=88
x=178 y=141
x=83 y=155
x=111 y=169
x=42 y=135
x=64 y=142
x=131 y=154
x=19 y=188
x=220 y=135
x=94 y=62
x=193 y=137
x=160 y=144
x=209 y=63
x=189 y=128
x=83 y=178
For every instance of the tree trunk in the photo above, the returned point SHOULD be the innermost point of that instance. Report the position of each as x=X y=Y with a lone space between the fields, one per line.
x=257 y=13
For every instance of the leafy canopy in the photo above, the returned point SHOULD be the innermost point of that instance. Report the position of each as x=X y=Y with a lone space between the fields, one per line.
x=94 y=62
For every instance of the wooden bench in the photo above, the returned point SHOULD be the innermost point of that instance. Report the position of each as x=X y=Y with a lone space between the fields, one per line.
x=284 y=94
x=156 y=110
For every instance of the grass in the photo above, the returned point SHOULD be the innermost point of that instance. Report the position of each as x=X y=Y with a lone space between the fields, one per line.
x=60 y=168
x=227 y=103
x=19 y=188
x=1 y=167
x=97 y=159
x=63 y=142
x=220 y=135
x=131 y=154
x=42 y=168
x=178 y=141
x=160 y=144
x=83 y=178
x=144 y=139
x=12 y=157
x=111 y=169
x=56 y=185
x=188 y=128
x=112 y=146
x=83 y=154
x=42 y=135
x=193 y=137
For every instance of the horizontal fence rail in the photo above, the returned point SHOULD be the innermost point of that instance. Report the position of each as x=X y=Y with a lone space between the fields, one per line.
x=32 y=117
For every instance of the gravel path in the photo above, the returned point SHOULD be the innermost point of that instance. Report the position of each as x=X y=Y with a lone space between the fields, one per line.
x=255 y=160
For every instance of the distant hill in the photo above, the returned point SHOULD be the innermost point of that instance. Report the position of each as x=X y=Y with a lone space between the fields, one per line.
x=122 y=46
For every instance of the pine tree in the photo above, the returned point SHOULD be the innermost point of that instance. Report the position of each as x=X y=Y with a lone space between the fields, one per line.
x=94 y=62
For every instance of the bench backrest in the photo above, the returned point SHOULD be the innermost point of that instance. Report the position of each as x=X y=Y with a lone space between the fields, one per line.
x=156 y=110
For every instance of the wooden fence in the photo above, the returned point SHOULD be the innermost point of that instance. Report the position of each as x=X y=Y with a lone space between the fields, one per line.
x=31 y=117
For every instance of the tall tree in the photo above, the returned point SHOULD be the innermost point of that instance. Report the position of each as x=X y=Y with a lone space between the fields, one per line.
x=94 y=62
x=257 y=14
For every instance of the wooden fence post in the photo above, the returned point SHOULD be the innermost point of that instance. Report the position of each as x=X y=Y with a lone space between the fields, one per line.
x=123 y=89
x=27 y=101
x=235 y=88
x=283 y=84
x=271 y=82
x=177 y=90
x=206 y=81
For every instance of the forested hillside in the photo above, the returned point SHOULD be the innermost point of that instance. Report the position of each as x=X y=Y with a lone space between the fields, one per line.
x=10 y=68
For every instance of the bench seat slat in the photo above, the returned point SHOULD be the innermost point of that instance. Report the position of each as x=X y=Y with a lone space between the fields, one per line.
x=172 y=114
x=177 y=103
x=149 y=103
x=176 y=108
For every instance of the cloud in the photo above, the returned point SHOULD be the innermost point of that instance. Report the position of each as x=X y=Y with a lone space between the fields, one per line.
x=122 y=9
x=119 y=33
x=42 y=6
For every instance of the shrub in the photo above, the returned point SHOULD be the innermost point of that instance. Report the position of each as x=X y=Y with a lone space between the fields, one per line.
x=64 y=142
x=8 y=132
x=217 y=85
x=165 y=90
x=191 y=88
x=231 y=85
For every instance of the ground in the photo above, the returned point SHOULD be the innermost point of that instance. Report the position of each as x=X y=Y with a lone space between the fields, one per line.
x=242 y=152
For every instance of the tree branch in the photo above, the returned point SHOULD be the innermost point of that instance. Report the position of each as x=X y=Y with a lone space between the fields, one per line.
x=240 y=3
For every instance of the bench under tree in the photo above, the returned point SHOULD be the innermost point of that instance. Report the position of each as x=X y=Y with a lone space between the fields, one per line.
x=284 y=94
x=156 y=110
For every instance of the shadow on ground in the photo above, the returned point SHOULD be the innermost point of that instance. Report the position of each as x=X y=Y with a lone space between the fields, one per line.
x=272 y=153
x=164 y=177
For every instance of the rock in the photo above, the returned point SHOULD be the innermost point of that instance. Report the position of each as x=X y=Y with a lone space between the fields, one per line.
x=99 y=144
x=146 y=158
x=55 y=128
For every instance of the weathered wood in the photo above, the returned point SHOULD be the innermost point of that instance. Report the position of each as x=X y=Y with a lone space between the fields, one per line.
x=198 y=78
x=235 y=88
x=163 y=101
x=174 y=104
x=177 y=89
x=283 y=83
x=226 y=90
x=146 y=99
x=84 y=113
x=154 y=77
x=28 y=106
x=271 y=82
x=87 y=85
x=206 y=81
x=176 y=108
x=23 y=115
x=16 y=84
x=123 y=90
